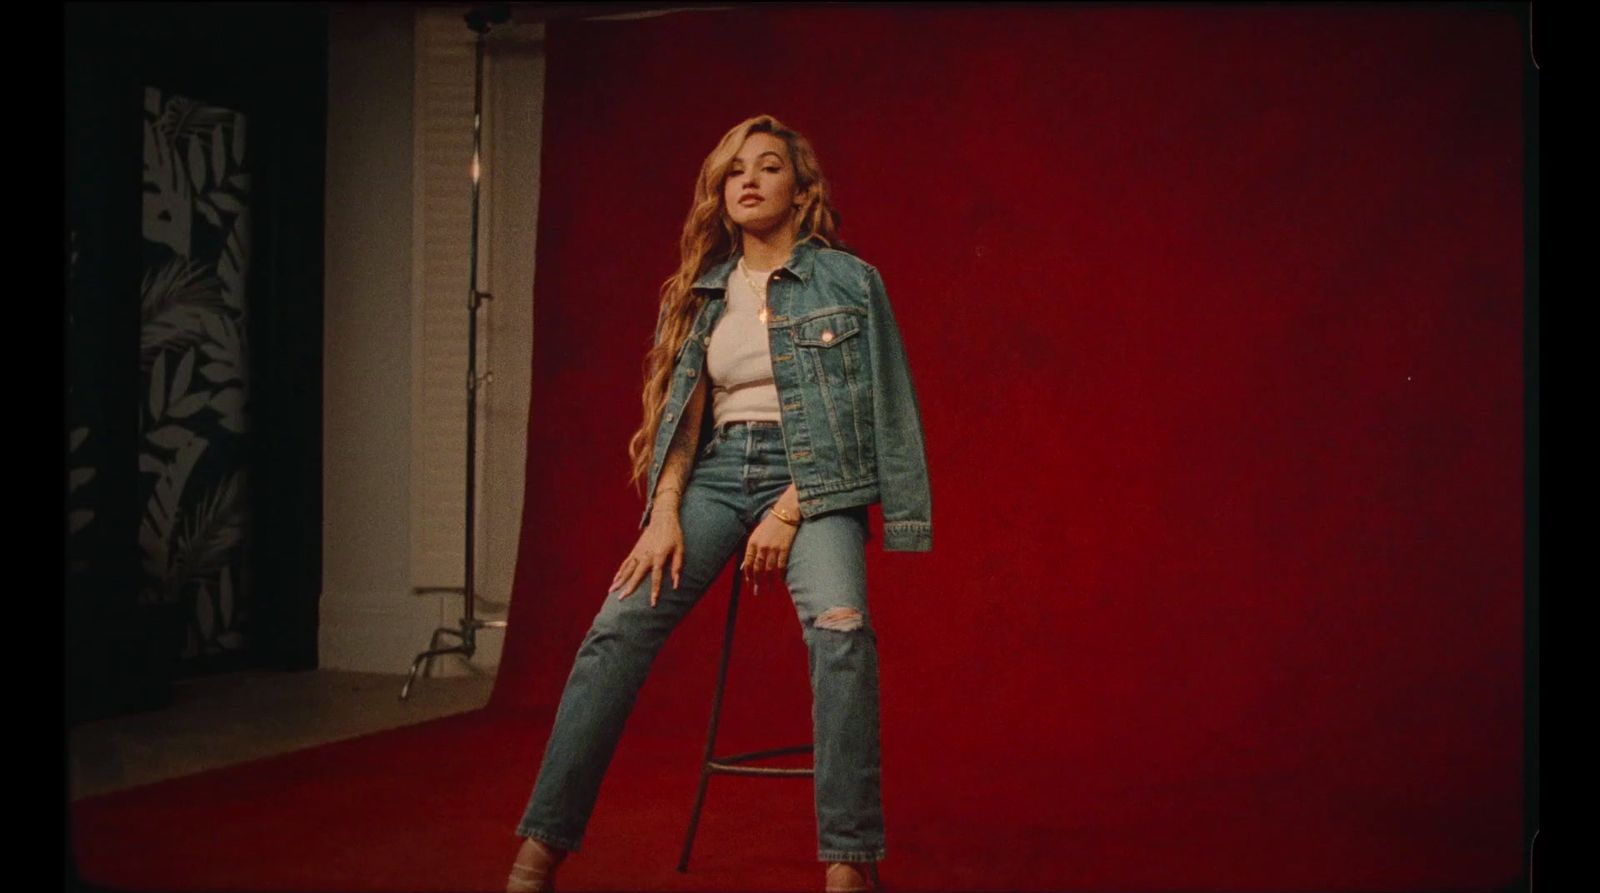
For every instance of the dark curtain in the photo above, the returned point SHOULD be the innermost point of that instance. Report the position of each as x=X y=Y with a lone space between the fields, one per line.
x=239 y=586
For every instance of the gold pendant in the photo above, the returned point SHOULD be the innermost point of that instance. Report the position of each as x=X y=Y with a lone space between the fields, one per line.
x=763 y=314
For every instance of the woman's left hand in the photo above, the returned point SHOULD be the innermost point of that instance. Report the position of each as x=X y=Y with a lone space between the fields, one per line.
x=766 y=558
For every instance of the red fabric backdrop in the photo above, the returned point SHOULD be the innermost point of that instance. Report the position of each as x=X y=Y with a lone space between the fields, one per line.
x=1215 y=314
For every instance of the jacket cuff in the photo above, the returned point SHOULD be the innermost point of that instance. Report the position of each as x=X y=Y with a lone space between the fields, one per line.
x=907 y=536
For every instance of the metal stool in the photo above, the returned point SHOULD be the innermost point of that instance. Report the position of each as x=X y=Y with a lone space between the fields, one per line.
x=730 y=765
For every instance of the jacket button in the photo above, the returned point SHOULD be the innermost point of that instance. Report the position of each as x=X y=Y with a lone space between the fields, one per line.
x=827 y=336
x=668 y=416
x=693 y=372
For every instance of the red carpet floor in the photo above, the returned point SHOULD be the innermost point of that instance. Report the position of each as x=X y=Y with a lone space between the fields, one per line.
x=432 y=807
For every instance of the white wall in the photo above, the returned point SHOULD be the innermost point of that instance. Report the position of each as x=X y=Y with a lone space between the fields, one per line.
x=366 y=612
x=514 y=106
x=379 y=463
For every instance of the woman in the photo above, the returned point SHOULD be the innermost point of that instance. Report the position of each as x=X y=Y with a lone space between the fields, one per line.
x=812 y=418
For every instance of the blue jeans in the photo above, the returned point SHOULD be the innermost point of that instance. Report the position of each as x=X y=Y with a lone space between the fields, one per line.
x=740 y=472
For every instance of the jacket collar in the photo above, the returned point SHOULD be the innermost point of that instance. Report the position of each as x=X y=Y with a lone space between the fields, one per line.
x=801 y=259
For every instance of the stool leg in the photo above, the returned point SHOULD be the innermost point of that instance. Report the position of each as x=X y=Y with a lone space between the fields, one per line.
x=711 y=733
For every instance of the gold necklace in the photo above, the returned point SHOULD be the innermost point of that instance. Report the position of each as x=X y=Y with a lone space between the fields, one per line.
x=758 y=289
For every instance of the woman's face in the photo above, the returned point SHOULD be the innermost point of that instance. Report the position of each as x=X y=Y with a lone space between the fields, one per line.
x=759 y=189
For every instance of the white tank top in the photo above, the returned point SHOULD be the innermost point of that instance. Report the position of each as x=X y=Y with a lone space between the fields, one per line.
x=739 y=360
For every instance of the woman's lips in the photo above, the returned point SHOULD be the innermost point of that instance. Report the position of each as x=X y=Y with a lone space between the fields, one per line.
x=750 y=200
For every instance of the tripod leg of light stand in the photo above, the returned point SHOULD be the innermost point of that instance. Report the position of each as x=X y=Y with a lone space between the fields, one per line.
x=426 y=657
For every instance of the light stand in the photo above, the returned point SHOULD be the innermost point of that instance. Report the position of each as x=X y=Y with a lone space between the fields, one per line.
x=480 y=20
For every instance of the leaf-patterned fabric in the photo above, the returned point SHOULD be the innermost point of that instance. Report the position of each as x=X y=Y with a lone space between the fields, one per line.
x=193 y=355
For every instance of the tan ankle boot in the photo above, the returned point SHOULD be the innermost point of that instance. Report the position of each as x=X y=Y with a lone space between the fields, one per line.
x=850 y=877
x=535 y=868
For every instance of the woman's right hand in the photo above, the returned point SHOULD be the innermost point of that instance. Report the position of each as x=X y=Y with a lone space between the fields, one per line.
x=659 y=546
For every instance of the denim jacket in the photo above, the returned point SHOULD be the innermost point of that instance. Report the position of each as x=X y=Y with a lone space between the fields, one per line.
x=849 y=414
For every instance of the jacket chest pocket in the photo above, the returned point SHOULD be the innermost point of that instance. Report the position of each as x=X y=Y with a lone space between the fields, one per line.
x=690 y=357
x=829 y=345
x=694 y=341
x=686 y=366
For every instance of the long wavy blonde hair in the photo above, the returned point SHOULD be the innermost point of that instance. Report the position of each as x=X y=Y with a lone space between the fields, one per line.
x=710 y=237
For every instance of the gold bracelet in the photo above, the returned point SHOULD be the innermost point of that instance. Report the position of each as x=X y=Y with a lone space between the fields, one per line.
x=779 y=514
